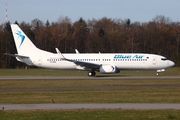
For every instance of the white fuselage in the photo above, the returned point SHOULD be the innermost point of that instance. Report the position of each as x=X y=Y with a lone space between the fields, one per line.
x=121 y=60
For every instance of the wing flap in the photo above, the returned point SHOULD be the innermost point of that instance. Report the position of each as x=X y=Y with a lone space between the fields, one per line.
x=87 y=64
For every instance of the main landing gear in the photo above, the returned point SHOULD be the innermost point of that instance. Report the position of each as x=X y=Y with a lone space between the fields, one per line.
x=91 y=73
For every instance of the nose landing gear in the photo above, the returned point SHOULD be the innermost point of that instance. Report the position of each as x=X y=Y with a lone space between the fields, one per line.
x=158 y=71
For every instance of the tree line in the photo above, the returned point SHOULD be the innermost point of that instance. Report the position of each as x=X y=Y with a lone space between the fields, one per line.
x=159 y=36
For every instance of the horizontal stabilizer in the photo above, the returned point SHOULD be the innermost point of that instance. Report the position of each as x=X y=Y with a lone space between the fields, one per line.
x=16 y=55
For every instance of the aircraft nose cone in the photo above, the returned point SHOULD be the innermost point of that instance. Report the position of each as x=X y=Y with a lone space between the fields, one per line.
x=171 y=63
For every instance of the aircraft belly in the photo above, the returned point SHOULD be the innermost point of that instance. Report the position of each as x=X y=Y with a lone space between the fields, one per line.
x=66 y=65
x=25 y=60
x=60 y=65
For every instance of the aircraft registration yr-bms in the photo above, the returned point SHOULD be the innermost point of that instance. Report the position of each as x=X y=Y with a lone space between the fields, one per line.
x=104 y=63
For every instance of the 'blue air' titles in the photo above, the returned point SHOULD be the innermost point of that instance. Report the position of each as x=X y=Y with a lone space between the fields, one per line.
x=129 y=56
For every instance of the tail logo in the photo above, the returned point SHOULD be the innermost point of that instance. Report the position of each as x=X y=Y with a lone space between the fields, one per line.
x=21 y=36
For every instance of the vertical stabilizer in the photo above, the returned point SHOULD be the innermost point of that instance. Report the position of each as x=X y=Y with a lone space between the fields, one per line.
x=24 y=45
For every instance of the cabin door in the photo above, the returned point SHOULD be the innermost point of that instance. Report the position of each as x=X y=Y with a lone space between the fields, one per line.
x=154 y=61
x=39 y=61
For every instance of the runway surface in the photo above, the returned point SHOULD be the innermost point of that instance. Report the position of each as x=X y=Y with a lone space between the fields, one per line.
x=137 y=106
x=84 y=77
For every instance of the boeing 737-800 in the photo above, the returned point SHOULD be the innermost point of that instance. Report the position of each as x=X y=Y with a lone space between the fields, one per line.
x=104 y=63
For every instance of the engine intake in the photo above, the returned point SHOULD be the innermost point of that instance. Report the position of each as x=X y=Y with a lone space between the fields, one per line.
x=108 y=69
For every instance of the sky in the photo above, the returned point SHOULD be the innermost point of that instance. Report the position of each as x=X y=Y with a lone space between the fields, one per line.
x=52 y=10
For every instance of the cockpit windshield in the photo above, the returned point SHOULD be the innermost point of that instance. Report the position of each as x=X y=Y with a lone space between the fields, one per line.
x=164 y=59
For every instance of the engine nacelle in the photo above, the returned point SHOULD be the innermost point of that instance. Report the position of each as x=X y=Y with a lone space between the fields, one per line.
x=108 y=69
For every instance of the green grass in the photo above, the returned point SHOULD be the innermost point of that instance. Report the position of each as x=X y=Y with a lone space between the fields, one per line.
x=50 y=72
x=83 y=114
x=86 y=83
x=93 y=96
x=43 y=91
x=40 y=72
x=90 y=91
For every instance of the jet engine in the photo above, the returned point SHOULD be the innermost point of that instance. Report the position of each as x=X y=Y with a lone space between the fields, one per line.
x=108 y=69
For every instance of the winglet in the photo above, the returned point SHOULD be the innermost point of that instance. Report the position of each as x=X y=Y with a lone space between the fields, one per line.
x=60 y=54
x=77 y=52
x=57 y=50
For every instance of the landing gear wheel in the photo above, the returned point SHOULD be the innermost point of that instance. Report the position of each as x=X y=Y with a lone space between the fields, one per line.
x=91 y=73
x=157 y=74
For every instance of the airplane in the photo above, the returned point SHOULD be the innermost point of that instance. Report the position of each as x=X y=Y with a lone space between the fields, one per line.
x=105 y=63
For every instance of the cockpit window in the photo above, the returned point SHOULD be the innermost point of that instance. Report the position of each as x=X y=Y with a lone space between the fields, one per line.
x=163 y=59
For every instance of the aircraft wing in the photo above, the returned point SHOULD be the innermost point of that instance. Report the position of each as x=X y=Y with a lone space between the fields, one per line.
x=86 y=65
x=16 y=55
